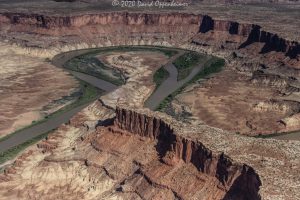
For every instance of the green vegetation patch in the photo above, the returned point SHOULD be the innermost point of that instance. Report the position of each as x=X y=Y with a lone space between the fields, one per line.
x=86 y=94
x=187 y=62
x=212 y=66
x=92 y=66
x=160 y=76
x=14 y=151
x=165 y=50
x=89 y=64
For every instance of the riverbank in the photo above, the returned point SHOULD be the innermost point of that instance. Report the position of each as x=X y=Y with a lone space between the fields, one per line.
x=211 y=66
x=160 y=98
x=45 y=126
x=86 y=93
x=91 y=88
x=89 y=63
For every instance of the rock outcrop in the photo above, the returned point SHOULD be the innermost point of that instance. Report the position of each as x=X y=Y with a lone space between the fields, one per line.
x=241 y=180
x=172 y=28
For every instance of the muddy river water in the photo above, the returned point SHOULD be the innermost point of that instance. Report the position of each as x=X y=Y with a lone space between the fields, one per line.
x=166 y=88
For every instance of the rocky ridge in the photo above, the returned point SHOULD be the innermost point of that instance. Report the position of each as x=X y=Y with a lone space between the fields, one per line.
x=145 y=26
x=240 y=180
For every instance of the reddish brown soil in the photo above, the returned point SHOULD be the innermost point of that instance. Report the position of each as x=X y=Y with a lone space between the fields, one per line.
x=228 y=101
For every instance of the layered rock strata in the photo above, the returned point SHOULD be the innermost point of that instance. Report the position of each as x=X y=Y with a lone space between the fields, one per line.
x=149 y=155
x=240 y=180
x=172 y=28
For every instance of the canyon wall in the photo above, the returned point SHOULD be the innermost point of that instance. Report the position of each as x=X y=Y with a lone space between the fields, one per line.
x=172 y=28
x=240 y=180
x=249 y=34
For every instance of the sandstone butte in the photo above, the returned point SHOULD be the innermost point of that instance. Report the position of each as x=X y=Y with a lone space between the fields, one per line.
x=140 y=154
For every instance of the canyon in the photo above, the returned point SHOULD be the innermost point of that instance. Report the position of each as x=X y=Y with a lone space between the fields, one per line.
x=116 y=149
x=91 y=30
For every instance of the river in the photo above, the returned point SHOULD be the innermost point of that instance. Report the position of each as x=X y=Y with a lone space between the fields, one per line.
x=167 y=87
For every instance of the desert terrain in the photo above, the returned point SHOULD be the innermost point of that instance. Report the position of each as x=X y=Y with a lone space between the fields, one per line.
x=28 y=85
x=240 y=105
x=115 y=148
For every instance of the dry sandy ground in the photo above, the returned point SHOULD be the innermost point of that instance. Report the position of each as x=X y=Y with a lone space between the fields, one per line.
x=231 y=102
x=27 y=84
x=138 y=67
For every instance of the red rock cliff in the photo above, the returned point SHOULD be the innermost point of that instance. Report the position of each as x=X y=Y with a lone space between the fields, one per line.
x=241 y=180
x=170 y=27
x=252 y=33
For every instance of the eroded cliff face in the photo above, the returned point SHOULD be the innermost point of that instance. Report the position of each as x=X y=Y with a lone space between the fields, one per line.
x=239 y=180
x=251 y=33
x=147 y=28
x=149 y=155
x=99 y=19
